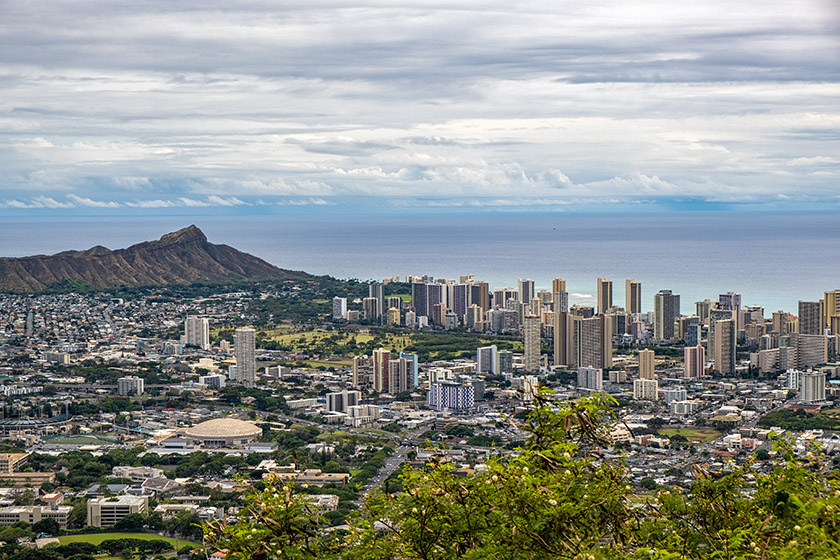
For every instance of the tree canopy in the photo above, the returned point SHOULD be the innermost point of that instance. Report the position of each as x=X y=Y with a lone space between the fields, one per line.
x=559 y=498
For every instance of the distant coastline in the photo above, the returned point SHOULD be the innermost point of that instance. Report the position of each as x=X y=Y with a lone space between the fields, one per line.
x=773 y=259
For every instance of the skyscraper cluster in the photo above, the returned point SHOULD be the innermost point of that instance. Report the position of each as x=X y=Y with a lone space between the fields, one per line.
x=583 y=336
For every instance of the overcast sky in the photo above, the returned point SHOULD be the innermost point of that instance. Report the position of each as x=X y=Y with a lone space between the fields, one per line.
x=137 y=106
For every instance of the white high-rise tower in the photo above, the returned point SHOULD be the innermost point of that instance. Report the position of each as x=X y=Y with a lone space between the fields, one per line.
x=197 y=331
x=244 y=347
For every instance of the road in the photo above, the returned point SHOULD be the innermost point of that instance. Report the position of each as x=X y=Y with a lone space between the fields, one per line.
x=392 y=463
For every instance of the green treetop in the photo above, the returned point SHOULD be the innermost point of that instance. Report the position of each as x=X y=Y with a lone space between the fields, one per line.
x=559 y=498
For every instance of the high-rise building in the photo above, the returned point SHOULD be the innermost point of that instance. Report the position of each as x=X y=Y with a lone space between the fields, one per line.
x=604 y=291
x=526 y=290
x=505 y=361
x=244 y=348
x=410 y=319
x=732 y=302
x=831 y=307
x=811 y=349
x=338 y=402
x=362 y=372
x=703 y=309
x=450 y=321
x=435 y=294
x=591 y=378
x=474 y=317
x=685 y=324
x=502 y=296
x=531 y=332
x=561 y=338
x=715 y=315
x=560 y=301
x=393 y=301
x=339 y=309
x=647 y=365
x=479 y=294
x=695 y=361
x=810 y=318
x=377 y=290
x=460 y=300
x=723 y=341
x=401 y=375
x=533 y=308
x=451 y=396
x=582 y=342
x=618 y=318
x=783 y=322
x=414 y=365
x=381 y=370
x=503 y=320
x=633 y=296
x=558 y=285
x=645 y=389
x=419 y=300
x=371 y=309
x=813 y=386
x=130 y=385
x=751 y=314
x=487 y=360
x=666 y=308
x=197 y=332
x=439 y=314
x=393 y=316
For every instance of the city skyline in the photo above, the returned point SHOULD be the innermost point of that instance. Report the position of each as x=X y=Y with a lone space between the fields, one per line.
x=321 y=108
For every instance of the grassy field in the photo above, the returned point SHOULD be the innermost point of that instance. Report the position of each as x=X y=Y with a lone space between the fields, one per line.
x=298 y=339
x=703 y=435
x=302 y=341
x=97 y=538
x=82 y=440
x=334 y=363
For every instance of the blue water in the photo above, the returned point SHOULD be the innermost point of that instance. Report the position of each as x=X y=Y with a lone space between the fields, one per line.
x=773 y=260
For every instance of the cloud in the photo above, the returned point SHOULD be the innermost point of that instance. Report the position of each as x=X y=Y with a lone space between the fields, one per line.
x=219 y=201
x=151 y=204
x=219 y=105
x=36 y=202
x=187 y=202
x=84 y=201
x=312 y=201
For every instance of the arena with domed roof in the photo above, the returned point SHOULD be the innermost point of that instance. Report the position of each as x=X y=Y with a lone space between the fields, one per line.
x=224 y=432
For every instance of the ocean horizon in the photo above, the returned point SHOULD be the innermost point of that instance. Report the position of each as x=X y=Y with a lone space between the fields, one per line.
x=772 y=259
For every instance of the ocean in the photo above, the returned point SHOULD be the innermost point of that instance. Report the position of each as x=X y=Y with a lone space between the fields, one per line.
x=772 y=259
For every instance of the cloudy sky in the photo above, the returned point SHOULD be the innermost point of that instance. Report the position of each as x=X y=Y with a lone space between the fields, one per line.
x=115 y=106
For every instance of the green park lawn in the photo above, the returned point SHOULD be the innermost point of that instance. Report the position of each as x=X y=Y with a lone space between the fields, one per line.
x=313 y=364
x=97 y=538
x=300 y=339
x=703 y=435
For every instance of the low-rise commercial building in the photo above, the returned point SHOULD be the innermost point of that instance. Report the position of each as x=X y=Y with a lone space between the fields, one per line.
x=32 y=514
x=104 y=512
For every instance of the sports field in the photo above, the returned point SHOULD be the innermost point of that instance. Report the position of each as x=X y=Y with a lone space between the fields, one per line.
x=702 y=435
x=97 y=538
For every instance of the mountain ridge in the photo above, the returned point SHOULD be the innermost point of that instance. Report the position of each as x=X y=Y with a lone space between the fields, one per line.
x=180 y=257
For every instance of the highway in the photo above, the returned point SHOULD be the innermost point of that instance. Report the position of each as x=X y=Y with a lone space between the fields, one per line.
x=392 y=463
